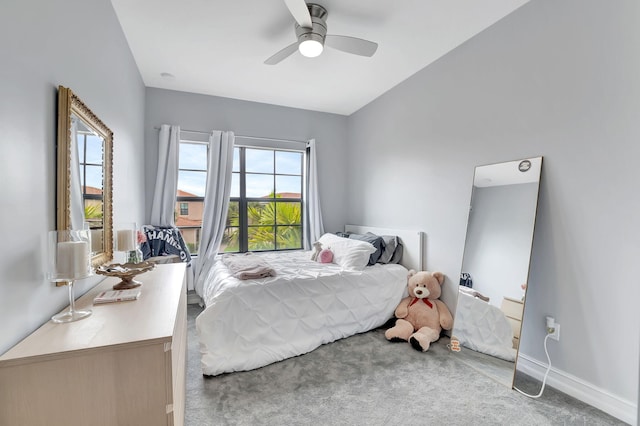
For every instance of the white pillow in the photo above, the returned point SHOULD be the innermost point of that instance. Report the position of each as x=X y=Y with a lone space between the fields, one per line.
x=348 y=253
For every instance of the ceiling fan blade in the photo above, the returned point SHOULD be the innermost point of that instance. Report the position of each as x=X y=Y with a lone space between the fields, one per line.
x=300 y=12
x=354 y=45
x=283 y=54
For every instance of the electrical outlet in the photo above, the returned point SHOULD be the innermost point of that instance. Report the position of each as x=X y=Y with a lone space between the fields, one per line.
x=556 y=332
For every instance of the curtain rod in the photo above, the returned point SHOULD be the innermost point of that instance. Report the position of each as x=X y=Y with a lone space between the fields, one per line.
x=244 y=136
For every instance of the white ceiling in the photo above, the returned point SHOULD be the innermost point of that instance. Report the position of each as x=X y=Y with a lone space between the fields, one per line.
x=217 y=47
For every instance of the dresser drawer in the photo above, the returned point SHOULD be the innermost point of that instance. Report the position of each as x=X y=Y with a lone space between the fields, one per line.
x=512 y=308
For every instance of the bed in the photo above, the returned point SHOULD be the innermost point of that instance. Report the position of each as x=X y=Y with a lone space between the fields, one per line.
x=250 y=323
x=482 y=327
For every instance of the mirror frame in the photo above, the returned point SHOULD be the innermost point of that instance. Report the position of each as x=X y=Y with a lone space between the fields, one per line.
x=69 y=104
x=523 y=165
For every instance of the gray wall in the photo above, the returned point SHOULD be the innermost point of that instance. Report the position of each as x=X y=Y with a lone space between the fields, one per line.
x=557 y=79
x=204 y=113
x=77 y=44
x=499 y=236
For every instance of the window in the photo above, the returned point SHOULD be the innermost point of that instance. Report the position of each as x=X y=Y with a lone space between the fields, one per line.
x=192 y=178
x=265 y=208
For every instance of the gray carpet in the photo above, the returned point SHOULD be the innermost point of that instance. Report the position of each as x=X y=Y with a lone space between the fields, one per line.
x=365 y=380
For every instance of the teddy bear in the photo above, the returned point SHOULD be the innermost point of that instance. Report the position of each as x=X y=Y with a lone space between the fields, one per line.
x=421 y=316
x=317 y=248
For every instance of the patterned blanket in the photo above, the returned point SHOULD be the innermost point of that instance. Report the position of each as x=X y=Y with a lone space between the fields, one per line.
x=164 y=241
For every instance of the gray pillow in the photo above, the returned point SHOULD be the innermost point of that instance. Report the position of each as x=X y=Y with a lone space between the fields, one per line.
x=397 y=254
x=375 y=240
x=391 y=242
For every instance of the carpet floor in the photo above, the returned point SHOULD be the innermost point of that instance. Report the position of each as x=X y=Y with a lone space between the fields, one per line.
x=365 y=380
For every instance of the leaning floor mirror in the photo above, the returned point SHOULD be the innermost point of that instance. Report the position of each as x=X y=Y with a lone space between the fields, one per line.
x=495 y=266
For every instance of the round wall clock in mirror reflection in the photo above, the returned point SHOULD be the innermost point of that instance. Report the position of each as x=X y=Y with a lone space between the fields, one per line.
x=524 y=165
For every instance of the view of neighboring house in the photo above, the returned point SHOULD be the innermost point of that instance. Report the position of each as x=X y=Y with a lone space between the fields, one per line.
x=188 y=216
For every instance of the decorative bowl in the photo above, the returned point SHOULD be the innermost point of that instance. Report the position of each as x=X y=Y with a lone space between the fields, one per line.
x=126 y=272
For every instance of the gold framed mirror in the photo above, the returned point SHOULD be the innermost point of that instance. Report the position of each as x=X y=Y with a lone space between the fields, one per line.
x=84 y=174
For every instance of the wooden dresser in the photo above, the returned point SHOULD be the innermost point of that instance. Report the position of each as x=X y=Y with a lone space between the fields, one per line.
x=513 y=310
x=123 y=365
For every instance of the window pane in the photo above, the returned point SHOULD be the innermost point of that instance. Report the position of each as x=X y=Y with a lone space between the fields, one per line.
x=233 y=216
x=236 y=159
x=288 y=186
x=289 y=163
x=259 y=186
x=192 y=156
x=230 y=240
x=80 y=141
x=94 y=149
x=261 y=238
x=93 y=213
x=235 y=184
x=94 y=179
x=259 y=161
x=260 y=213
x=191 y=237
x=289 y=237
x=191 y=183
x=288 y=213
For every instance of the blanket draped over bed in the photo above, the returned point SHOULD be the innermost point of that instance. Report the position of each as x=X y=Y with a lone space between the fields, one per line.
x=252 y=323
x=483 y=327
x=247 y=266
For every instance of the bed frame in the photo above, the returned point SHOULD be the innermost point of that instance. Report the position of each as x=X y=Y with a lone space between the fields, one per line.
x=413 y=242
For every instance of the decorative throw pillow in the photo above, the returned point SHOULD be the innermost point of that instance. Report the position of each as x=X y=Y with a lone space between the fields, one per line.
x=325 y=256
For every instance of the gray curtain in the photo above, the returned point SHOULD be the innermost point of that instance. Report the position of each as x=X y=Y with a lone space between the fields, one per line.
x=313 y=229
x=164 y=197
x=216 y=201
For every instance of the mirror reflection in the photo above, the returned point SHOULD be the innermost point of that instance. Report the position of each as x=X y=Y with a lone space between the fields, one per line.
x=90 y=160
x=495 y=266
x=84 y=174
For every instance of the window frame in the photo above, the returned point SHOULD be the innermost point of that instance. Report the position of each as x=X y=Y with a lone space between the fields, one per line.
x=244 y=201
x=184 y=208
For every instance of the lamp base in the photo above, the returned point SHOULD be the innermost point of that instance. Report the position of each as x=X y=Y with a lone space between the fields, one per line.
x=70 y=316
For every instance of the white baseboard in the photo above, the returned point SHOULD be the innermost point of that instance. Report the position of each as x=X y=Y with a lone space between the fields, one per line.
x=625 y=410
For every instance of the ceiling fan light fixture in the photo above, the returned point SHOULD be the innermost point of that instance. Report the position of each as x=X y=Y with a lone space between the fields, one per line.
x=310 y=48
x=310 y=44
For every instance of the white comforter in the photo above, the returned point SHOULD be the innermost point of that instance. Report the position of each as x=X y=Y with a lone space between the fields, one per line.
x=251 y=323
x=483 y=328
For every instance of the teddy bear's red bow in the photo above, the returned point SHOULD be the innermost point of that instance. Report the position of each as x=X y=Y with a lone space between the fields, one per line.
x=425 y=300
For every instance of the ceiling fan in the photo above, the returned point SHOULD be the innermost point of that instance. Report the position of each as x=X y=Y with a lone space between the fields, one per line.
x=311 y=32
